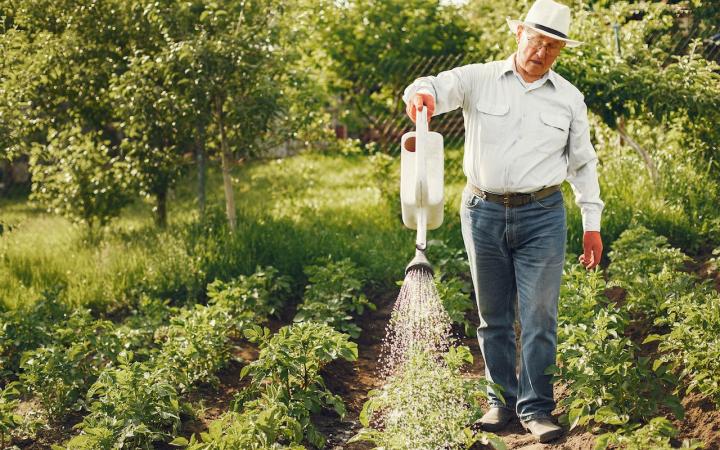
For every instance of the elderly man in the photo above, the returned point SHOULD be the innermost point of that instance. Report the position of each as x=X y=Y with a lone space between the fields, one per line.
x=526 y=131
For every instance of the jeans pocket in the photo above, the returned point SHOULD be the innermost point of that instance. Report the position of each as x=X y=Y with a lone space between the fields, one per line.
x=553 y=201
x=471 y=200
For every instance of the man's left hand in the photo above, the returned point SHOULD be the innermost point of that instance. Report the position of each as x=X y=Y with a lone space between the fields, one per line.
x=592 y=249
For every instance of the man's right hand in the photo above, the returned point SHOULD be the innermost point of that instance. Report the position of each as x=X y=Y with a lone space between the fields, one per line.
x=417 y=102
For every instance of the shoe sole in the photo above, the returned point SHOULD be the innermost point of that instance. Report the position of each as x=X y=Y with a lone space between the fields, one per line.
x=547 y=437
x=494 y=427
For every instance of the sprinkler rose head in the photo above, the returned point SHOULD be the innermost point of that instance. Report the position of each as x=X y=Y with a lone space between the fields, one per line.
x=420 y=262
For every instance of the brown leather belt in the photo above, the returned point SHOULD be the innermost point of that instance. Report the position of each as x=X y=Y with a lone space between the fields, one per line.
x=513 y=199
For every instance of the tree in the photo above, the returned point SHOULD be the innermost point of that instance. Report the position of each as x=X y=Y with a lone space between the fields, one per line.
x=80 y=175
x=156 y=126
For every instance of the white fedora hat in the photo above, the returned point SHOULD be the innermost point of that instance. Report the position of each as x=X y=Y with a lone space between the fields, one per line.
x=549 y=18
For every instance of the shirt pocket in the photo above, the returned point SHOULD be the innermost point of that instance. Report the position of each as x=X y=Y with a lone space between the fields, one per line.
x=494 y=121
x=553 y=132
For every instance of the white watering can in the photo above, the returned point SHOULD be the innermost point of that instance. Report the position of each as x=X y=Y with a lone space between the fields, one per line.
x=422 y=185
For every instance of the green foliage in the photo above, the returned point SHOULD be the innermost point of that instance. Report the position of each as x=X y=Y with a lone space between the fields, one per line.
x=25 y=329
x=334 y=295
x=263 y=293
x=457 y=302
x=195 y=345
x=131 y=405
x=657 y=435
x=372 y=45
x=58 y=373
x=405 y=413
x=288 y=368
x=609 y=384
x=692 y=347
x=8 y=404
x=80 y=176
x=263 y=424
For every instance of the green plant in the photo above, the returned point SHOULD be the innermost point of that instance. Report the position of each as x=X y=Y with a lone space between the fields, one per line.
x=195 y=345
x=26 y=328
x=334 y=295
x=456 y=302
x=263 y=293
x=262 y=425
x=58 y=373
x=405 y=414
x=8 y=418
x=80 y=175
x=656 y=435
x=290 y=362
x=692 y=347
x=131 y=405
x=608 y=383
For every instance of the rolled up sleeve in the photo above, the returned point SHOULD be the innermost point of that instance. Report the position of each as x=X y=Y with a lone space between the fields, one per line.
x=582 y=169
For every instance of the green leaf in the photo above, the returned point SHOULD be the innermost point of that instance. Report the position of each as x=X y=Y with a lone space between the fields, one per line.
x=179 y=442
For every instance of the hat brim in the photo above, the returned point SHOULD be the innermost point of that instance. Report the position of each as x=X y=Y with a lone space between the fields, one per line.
x=513 y=24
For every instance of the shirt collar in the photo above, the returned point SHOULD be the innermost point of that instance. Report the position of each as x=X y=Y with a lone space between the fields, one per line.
x=508 y=66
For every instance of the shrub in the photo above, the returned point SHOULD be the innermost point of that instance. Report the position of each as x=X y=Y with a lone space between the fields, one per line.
x=8 y=418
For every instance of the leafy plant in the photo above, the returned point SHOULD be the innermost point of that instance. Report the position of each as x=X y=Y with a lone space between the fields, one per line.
x=131 y=405
x=456 y=302
x=195 y=345
x=656 y=434
x=334 y=295
x=262 y=425
x=8 y=404
x=263 y=294
x=405 y=414
x=289 y=364
x=58 y=373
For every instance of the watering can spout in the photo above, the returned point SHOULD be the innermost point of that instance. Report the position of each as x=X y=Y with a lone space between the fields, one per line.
x=419 y=262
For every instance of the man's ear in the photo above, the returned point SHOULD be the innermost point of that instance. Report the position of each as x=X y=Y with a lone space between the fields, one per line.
x=518 y=33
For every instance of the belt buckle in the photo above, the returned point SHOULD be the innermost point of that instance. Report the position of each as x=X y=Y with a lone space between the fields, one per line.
x=506 y=199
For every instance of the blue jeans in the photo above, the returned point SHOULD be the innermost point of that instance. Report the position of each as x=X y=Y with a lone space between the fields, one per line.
x=518 y=253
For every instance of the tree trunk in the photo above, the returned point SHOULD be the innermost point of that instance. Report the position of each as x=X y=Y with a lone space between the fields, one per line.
x=200 y=157
x=161 y=212
x=7 y=175
x=644 y=154
x=226 y=156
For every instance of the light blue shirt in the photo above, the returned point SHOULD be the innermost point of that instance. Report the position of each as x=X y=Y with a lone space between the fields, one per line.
x=519 y=136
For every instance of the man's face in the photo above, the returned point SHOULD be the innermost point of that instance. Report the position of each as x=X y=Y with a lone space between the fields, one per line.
x=536 y=52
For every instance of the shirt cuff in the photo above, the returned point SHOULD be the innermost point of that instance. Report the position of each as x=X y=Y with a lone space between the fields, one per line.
x=591 y=220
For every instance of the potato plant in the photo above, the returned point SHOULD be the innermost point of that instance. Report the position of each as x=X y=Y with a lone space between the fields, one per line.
x=692 y=347
x=656 y=434
x=286 y=387
x=263 y=294
x=58 y=373
x=195 y=345
x=27 y=328
x=290 y=361
x=265 y=423
x=8 y=418
x=334 y=295
x=132 y=405
x=405 y=414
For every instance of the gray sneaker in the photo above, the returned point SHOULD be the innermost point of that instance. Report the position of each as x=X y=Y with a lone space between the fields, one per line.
x=495 y=419
x=543 y=429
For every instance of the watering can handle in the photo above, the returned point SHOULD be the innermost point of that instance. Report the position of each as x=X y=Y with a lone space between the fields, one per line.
x=421 y=187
